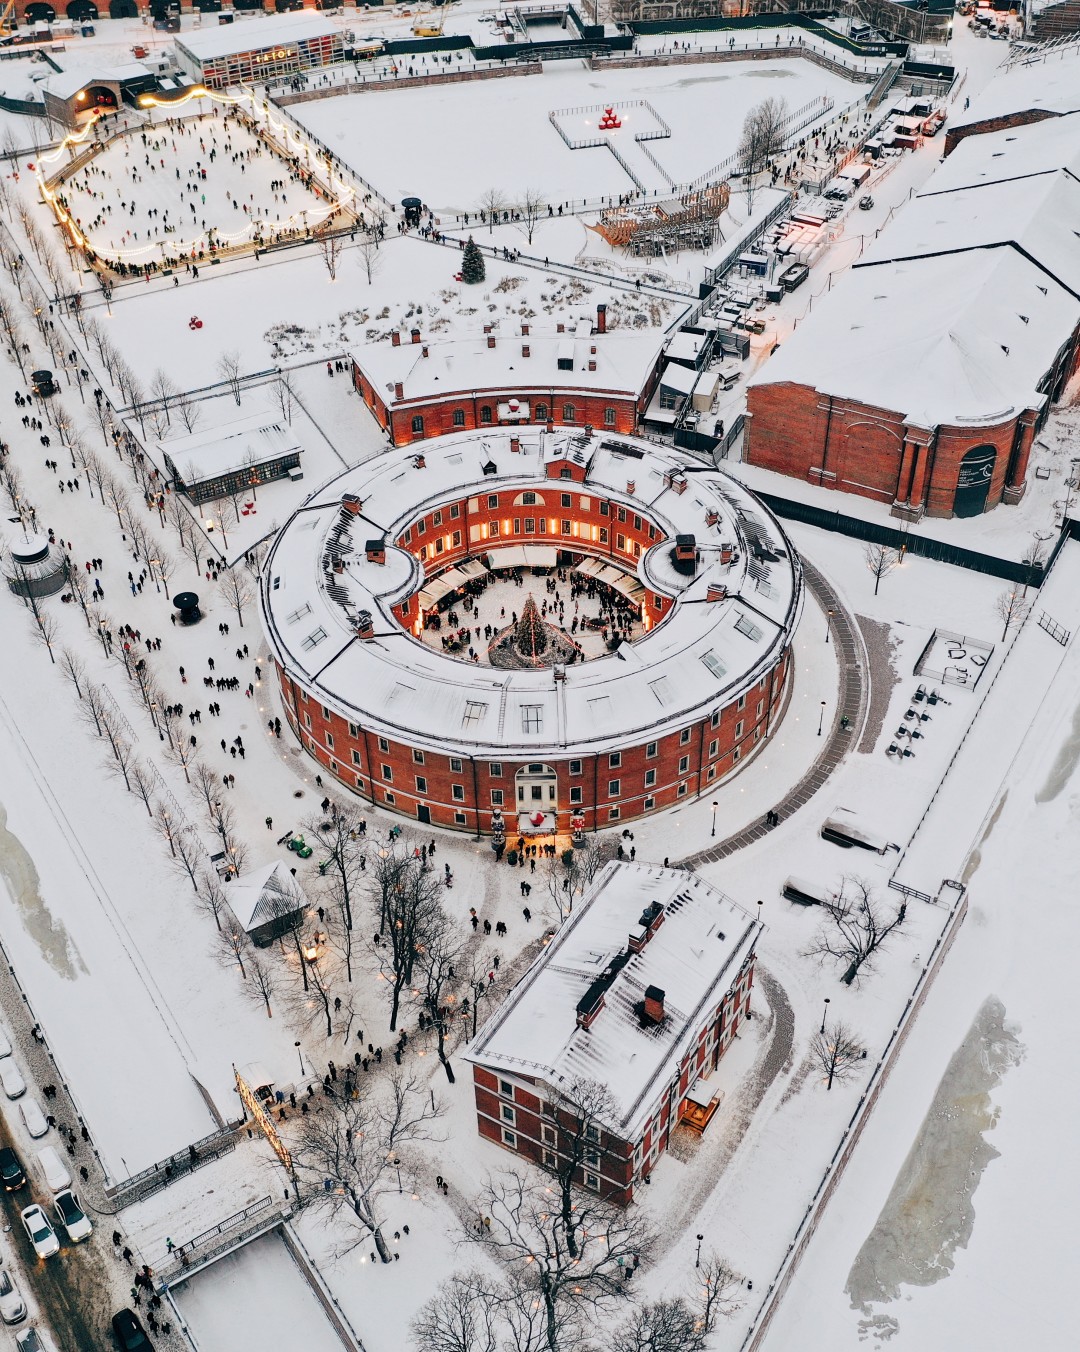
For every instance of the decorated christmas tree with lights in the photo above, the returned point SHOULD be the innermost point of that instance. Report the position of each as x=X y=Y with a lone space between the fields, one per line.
x=531 y=638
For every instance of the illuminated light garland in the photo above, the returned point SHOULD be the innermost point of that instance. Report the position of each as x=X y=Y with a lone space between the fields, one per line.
x=335 y=184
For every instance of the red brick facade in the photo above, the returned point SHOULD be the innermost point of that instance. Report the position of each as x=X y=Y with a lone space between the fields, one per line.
x=516 y=1112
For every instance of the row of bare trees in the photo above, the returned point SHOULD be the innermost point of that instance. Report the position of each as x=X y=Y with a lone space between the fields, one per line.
x=525 y=212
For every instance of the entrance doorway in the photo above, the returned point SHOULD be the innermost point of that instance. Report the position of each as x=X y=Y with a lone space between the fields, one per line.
x=973 y=482
x=423 y=814
x=537 y=795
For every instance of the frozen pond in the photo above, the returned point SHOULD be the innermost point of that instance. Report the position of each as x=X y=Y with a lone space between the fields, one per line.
x=450 y=143
x=255 y=1297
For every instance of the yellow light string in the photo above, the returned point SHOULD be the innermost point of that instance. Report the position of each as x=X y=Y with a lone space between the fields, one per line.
x=345 y=194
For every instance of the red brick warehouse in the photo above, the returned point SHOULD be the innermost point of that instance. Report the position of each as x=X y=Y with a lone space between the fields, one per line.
x=923 y=377
x=560 y=744
x=578 y=374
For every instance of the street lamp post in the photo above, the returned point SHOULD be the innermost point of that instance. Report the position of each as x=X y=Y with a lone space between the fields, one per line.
x=300 y=1057
x=697 y=1257
x=714 y=807
x=821 y=719
x=828 y=623
x=824 y=1015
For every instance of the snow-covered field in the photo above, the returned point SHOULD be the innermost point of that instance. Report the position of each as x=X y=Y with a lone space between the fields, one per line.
x=449 y=145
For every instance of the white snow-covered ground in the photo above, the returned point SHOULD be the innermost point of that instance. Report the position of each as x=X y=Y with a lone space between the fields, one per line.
x=450 y=144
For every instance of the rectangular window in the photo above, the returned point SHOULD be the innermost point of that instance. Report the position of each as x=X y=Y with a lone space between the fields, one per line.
x=455 y=511
x=682 y=791
x=313 y=639
x=575 y=795
x=388 y=774
x=421 y=527
x=575 y=767
x=421 y=784
x=493 y=501
x=354 y=731
x=565 y=526
x=459 y=818
x=541 y=412
x=567 y=500
x=530 y=525
x=458 y=792
x=532 y=718
x=418 y=757
x=493 y=528
x=713 y=747
x=359 y=781
x=613 y=814
x=742 y=702
x=506 y=1089
x=568 y=413
x=614 y=788
x=684 y=764
x=591 y=1181
x=356 y=757
x=650 y=778
x=605 y=508
x=609 y=417
x=738 y=729
x=436 y=518
x=384 y=746
x=506 y=1113
x=603 y=535
x=550 y=1159
x=496 y=797
x=455 y=765
x=684 y=736
x=735 y=755
x=528 y=499
x=456 y=539
x=614 y=760
x=650 y=803
x=389 y=798
x=637 y=521
x=509 y=1138
x=620 y=541
x=330 y=741
x=307 y=722
x=495 y=770
x=548 y=1135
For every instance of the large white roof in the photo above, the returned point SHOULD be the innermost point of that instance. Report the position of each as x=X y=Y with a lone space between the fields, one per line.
x=701 y=656
x=206 y=44
x=1050 y=85
x=694 y=957
x=1015 y=153
x=623 y=359
x=214 y=451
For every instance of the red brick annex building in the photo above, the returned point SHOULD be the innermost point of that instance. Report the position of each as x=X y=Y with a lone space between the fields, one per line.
x=574 y=375
x=923 y=377
x=641 y=991
x=361 y=568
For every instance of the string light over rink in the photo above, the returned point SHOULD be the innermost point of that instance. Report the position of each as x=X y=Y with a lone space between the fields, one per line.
x=338 y=196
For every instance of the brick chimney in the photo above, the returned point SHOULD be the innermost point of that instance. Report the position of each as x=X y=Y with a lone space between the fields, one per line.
x=395 y=338
x=631 y=486
x=592 y=363
x=560 y=328
x=491 y=340
x=423 y=350
x=365 y=626
x=524 y=330
x=601 y=319
x=526 y=350
x=716 y=592
x=654 y=1005
x=351 y=503
x=515 y=443
x=399 y=390
x=375 y=550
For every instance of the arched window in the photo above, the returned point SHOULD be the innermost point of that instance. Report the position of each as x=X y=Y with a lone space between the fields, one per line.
x=569 y=413
x=541 y=411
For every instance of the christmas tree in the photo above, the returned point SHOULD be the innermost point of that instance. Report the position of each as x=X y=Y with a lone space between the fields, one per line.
x=472 y=267
x=531 y=639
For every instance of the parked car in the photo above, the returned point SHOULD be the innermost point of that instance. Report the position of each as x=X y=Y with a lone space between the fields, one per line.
x=5 y=1042
x=129 y=1333
x=11 y=1079
x=11 y=1170
x=72 y=1217
x=29 y=1340
x=12 y=1305
x=39 y=1232
x=866 y=202
x=35 y=1121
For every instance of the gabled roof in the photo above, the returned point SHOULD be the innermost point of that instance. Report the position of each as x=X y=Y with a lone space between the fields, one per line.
x=263 y=895
x=692 y=957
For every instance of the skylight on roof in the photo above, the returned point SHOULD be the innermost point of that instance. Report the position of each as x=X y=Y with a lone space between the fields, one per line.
x=299 y=613
x=744 y=625
x=713 y=664
x=474 y=712
x=314 y=639
x=661 y=688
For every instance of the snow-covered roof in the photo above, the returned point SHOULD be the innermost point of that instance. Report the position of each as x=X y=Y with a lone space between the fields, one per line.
x=1015 y=153
x=1049 y=85
x=698 y=658
x=961 y=338
x=66 y=83
x=679 y=378
x=263 y=895
x=207 y=44
x=623 y=360
x=214 y=451
x=693 y=956
x=960 y=307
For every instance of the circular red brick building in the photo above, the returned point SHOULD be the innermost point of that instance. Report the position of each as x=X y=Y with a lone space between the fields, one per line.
x=653 y=656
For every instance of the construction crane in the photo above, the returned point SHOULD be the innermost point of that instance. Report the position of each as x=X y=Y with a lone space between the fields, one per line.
x=429 y=22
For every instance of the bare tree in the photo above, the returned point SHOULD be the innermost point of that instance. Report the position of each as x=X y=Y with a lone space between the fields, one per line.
x=356 y=1144
x=762 y=138
x=338 y=833
x=530 y=209
x=492 y=204
x=165 y=825
x=187 y=410
x=207 y=784
x=122 y=750
x=856 y=926
x=1012 y=609
x=836 y=1052
x=581 y=1115
x=284 y=906
x=190 y=857
x=408 y=911
x=682 y=1324
x=527 y=1234
x=462 y=1316
x=285 y=393
x=330 y=247
x=262 y=984
x=74 y=668
x=438 y=961
x=163 y=389
x=228 y=368
x=143 y=784
x=211 y=895
x=235 y=590
x=230 y=948
x=45 y=629
x=370 y=257
x=880 y=560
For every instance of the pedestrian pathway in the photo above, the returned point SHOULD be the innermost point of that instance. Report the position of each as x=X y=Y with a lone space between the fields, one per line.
x=852 y=706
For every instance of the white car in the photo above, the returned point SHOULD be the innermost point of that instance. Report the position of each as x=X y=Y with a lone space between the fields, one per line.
x=72 y=1217
x=5 y=1042
x=11 y=1080
x=39 y=1232
x=29 y=1341
x=33 y=1118
x=12 y=1306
